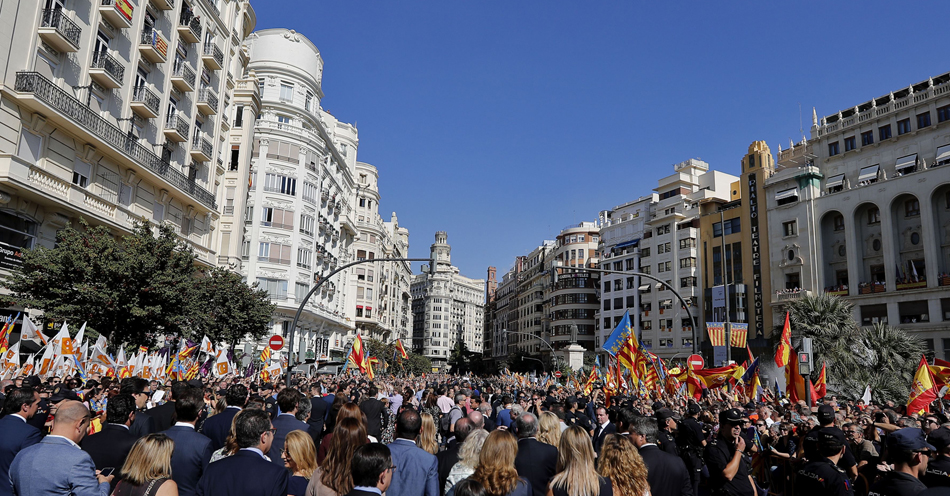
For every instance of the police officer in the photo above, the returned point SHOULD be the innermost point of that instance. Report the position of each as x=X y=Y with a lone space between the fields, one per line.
x=909 y=452
x=938 y=468
x=826 y=420
x=729 y=469
x=822 y=475
x=691 y=441
x=666 y=426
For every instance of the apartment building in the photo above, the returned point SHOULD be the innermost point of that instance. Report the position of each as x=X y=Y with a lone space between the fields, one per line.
x=573 y=300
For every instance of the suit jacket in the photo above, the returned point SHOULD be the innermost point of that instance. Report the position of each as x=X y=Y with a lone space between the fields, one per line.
x=217 y=427
x=536 y=462
x=65 y=469
x=190 y=458
x=164 y=415
x=143 y=425
x=417 y=471
x=15 y=434
x=284 y=423
x=446 y=459
x=598 y=439
x=245 y=473
x=318 y=415
x=666 y=473
x=373 y=409
x=109 y=447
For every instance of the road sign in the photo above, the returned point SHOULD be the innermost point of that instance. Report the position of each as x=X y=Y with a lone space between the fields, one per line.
x=275 y=342
x=695 y=362
x=557 y=373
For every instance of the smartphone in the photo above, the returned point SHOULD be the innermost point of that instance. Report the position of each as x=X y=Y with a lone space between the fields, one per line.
x=107 y=471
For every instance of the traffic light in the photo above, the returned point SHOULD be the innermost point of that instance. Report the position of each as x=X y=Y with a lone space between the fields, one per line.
x=805 y=358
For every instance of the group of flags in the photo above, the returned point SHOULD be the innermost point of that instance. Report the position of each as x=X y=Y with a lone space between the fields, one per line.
x=795 y=382
x=360 y=359
x=930 y=383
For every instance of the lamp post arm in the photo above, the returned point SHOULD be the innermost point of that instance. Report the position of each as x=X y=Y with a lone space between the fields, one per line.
x=293 y=326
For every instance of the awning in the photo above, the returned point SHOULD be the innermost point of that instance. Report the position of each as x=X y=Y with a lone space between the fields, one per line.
x=868 y=173
x=835 y=181
x=666 y=303
x=625 y=244
x=906 y=162
x=645 y=287
x=943 y=153
x=788 y=193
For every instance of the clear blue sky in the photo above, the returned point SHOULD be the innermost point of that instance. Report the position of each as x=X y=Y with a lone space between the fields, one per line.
x=502 y=122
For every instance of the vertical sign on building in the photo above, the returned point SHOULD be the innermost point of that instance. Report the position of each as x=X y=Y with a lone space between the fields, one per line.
x=757 y=302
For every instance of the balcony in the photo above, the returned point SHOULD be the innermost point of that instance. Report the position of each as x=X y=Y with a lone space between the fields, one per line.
x=58 y=31
x=207 y=102
x=201 y=149
x=117 y=12
x=183 y=77
x=176 y=128
x=144 y=102
x=189 y=28
x=106 y=70
x=212 y=56
x=163 y=4
x=154 y=46
x=41 y=95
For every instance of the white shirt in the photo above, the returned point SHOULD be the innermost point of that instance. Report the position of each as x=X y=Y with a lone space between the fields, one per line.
x=121 y=425
x=184 y=424
x=369 y=489
x=18 y=416
x=66 y=438
x=259 y=452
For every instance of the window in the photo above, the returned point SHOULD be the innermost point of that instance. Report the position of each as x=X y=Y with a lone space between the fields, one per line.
x=282 y=119
x=286 y=92
x=884 y=132
x=839 y=223
x=912 y=208
x=663 y=267
x=310 y=193
x=81 y=172
x=158 y=212
x=849 y=144
x=787 y=196
x=308 y=101
x=239 y=116
x=688 y=282
x=618 y=285
x=274 y=253
x=17 y=231
x=790 y=228
x=235 y=158
x=867 y=138
x=833 y=149
x=663 y=230
x=868 y=175
x=943 y=113
x=903 y=127
x=125 y=194
x=306 y=224
x=606 y=303
x=300 y=290
x=923 y=120
x=686 y=243
x=260 y=85
x=645 y=252
x=31 y=146
x=732 y=226
x=276 y=183
x=687 y=262
x=874 y=216
x=663 y=248
x=835 y=183
x=276 y=288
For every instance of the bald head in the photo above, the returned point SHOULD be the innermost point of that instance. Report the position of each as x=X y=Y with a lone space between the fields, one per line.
x=70 y=420
x=477 y=419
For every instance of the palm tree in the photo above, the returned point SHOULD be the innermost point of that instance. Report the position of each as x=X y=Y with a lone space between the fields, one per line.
x=827 y=319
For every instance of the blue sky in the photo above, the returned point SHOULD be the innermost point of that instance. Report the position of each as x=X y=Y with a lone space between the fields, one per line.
x=502 y=122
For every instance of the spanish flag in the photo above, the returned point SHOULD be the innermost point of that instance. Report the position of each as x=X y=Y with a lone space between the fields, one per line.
x=401 y=349
x=357 y=354
x=785 y=345
x=922 y=391
x=821 y=385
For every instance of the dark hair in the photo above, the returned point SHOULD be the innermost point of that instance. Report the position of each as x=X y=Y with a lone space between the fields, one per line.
x=287 y=399
x=249 y=424
x=236 y=395
x=408 y=425
x=188 y=404
x=645 y=426
x=17 y=398
x=133 y=385
x=470 y=487
x=372 y=391
x=527 y=425
x=179 y=387
x=119 y=408
x=369 y=462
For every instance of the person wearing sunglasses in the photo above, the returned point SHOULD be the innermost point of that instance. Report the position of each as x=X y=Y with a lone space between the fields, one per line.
x=909 y=452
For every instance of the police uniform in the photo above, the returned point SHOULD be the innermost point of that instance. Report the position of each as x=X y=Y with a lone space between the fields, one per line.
x=897 y=484
x=822 y=477
x=718 y=453
x=690 y=443
x=664 y=439
x=938 y=472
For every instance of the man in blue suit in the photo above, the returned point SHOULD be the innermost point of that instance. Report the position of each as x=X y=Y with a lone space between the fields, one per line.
x=247 y=471
x=56 y=465
x=286 y=421
x=417 y=472
x=217 y=427
x=111 y=446
x=15 y=432
x=372 y=469
x=192 y=449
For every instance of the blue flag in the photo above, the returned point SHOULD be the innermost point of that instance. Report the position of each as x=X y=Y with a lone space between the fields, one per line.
x=619 y=335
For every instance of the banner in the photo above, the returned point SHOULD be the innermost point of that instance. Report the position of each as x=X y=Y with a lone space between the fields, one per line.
x=738 y=335
x=717 y=333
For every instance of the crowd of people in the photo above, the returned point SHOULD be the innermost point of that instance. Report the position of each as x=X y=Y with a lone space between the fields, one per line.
x=445 y=435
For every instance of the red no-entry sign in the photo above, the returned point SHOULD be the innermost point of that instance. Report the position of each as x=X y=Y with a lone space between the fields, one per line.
x=275 y=342
x=557 y=373
x=695 y=362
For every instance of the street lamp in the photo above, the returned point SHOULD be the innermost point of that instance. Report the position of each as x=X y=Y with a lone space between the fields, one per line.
x=293 y=326
x=553 y=353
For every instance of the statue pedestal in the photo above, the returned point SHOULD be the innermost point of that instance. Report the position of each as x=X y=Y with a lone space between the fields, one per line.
x=574 y=355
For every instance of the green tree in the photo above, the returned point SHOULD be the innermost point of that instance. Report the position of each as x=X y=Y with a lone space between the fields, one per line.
x=827 y=319
x=227 y=310
x=415 y=363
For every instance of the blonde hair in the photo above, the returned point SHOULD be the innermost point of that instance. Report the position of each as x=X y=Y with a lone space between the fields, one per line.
x=549 y=429
x=426 y=439
x=496 y=463
x=300 y=449
x=575 y=464
x=472 y=447
x=150 y=459
x=620 y=462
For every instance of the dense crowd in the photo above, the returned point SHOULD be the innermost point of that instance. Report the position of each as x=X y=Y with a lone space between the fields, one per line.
x=443 y=435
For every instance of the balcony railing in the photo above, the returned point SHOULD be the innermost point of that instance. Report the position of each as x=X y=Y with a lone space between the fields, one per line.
x=179 y=124
x=54 y=18
x=207 y=101
x=108 y=63
x=141 y=94
x=189 y=27
x=117 y=12
x=154 y=45
x=211 y=51
x=50 y=94
x=200 y=143
x=181 y=70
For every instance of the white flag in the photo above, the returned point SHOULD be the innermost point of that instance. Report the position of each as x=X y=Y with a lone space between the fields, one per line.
x=120 y=360
x=206 y=346
x=30 y=332
x=11 y=357
x=77 y=341
x=27 y=368
x=867 y=395
x=46 y=362
x=62 y=344
x=101 y=342
x=222 y=366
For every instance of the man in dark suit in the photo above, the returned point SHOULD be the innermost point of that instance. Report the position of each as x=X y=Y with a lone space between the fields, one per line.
x=372 y=468
x=192 y=449
x=536 y=461
x=247 y=471
x=164 y=414
x=373 y=408
x=603 y=427
x=285 y=422
x=418 y=470
x=318 y=413
x=666 y=473
x=110 y=446
x=450 y=456
x=217 y=427
x=143 y=424
x=15 y=432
